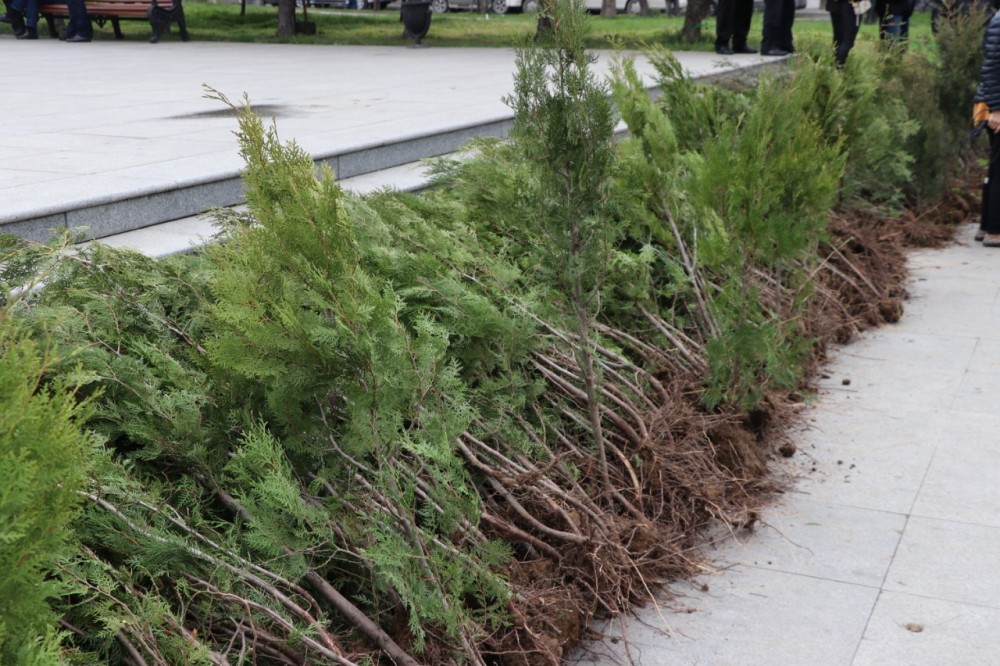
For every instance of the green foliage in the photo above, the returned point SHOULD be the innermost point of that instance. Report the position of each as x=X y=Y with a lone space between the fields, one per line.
x=44 y=458
x=696 y=111
x=960 y=55
x=770 y=181
x=741 y=208
x=357 y=374
x=133 y=323
x=564 y=132
x=944 y=106
x=855 y=108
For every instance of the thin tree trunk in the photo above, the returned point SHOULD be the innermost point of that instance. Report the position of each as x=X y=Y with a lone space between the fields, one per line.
x=545 y=28
x=286 y=18
x=697 y=12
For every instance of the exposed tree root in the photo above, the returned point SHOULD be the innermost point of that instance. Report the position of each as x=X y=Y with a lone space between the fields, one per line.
x=693 y=468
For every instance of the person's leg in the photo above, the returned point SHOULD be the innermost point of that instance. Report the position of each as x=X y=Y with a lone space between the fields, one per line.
x=991 y=206
x=80 y=28
x=771 y=34
x=833 y=6
x=906 y=14
x=30 y=16
x=787 y=20
x=15 y=11
x=891 y=23
x=984 y=209
x=848 y=31
x=724 y=24
x=742 y=15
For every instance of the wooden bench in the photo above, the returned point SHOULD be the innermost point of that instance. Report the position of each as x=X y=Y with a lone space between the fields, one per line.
x=159 y=13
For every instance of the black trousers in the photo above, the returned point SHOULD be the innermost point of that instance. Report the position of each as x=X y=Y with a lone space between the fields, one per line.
x=779 y=15
x=845 y=28
x=991 y=190
x=732 y=22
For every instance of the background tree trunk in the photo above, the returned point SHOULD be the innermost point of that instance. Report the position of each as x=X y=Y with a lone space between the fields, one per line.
x=608 y=9
x=286 y=18
x=544 y=27
x=697 y=12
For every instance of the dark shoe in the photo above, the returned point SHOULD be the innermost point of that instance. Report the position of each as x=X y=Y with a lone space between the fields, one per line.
x=28 y=33
x=77 y=39
x=991 y=240
x=743 y=48
x=774 y=52
x=723 y=50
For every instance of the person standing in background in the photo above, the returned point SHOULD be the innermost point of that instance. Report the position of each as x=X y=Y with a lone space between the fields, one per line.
x=894 y=19
x=732 y=24
x=988 y=94
x=845 y=15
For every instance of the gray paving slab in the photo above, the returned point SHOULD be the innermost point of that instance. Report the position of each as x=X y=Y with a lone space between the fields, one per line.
x=908 y=629
x=111 y=122
x=744 y=617
x=884 y=549
x=834 y=542
x=839 y=462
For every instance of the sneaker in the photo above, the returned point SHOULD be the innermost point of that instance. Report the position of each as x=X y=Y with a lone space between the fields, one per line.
x=77 y=39
x=723 y=50
x=774 y=53
x=743 y=48
x=980 y=234
x=991 y=240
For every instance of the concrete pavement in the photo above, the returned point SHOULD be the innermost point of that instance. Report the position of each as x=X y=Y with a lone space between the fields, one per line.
x=885 y=550
x=118 y=135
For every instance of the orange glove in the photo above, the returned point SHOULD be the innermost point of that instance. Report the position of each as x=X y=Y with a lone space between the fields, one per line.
x=979 y=112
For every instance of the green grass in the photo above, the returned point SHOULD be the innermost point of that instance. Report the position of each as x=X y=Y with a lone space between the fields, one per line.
x=223 y=23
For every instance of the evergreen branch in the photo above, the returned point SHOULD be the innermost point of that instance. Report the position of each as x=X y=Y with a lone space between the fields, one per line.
x=854 y=269
x=581 y=395
x=697 y=282
x=530 y=540
x=275 y=617
x=302 y=613
x=579 y=499
x=697 y=363
x=166 y=323
x=341 y=603
x=607 y=390
x=527 y=474
x=328 y=647
x=132 y=655
x=492 y=478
